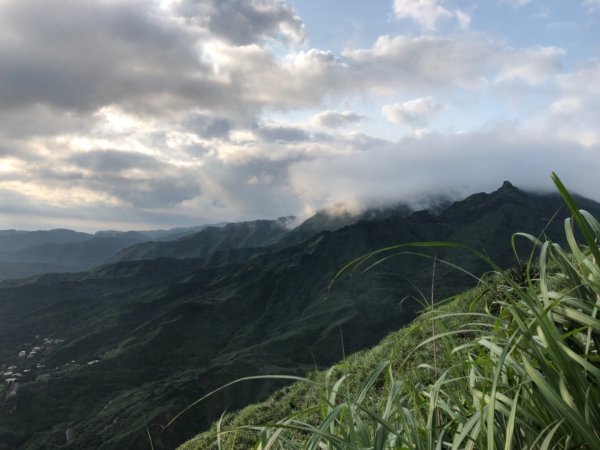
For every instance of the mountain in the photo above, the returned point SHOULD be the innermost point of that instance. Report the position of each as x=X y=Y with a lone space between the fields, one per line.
x=171 y=234
x=29 y=253
x=333 y=221
x=356 y=370
x=215 y=240
x=80 y=255
x=16 y=270
x=252 y=234
x=13 y=240
x=140 y=340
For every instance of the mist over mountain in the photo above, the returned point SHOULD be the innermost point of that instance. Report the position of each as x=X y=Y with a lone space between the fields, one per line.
x=278 y=233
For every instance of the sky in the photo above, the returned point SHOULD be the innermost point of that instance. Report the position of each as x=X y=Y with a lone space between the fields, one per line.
x=143 y=114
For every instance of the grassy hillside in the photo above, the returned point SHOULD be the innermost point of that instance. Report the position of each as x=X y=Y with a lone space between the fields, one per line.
x=511 y=364
x=307 y=395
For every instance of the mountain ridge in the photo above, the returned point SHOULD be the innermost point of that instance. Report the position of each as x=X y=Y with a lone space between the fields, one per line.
x=30 y=253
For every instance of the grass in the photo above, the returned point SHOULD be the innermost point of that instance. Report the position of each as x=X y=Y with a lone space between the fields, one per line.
x=308 y=394
x=512 y=364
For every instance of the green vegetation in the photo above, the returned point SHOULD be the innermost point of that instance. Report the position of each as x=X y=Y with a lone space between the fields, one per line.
x=513 y=363
x=148 y=336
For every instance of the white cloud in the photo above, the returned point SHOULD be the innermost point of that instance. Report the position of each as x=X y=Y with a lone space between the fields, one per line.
x=591 y=5
x=335 y=119
x=464 y=19
x=423 y=62
x=517 y=3
x=567 y=106
x=414 y=170
x=575 y=113
x=531 y=65
x=414 y=113
x=583 y=81
x=427 y=13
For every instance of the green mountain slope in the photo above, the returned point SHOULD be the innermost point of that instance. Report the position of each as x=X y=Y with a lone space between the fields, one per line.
x=138 y=340
x=252 y=234
x=357 y=367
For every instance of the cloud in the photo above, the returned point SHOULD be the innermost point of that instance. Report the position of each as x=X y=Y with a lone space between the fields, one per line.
x=113 y=162
x=582 y=81
x=107 y=177
x=574 y=112
x=334 y=119
x=427 y=13
x=417 y=64
x=591 y=5
x=211 y=56
x=518 y=3
x=531 y=65
x=133 y=178
x=208 y=126
x=422 y=62
x=125 y=53
x=414 y=113
x=174 y=109
x=414 y=170
x=300 y=79
x=23 y=212
x=144 y=58
x=464 y=19
x=242 y=22
x=256 y=188
x=282 y=133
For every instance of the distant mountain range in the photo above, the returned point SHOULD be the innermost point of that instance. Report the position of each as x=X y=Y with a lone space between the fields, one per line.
x=163 y=323
x=27 y=253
